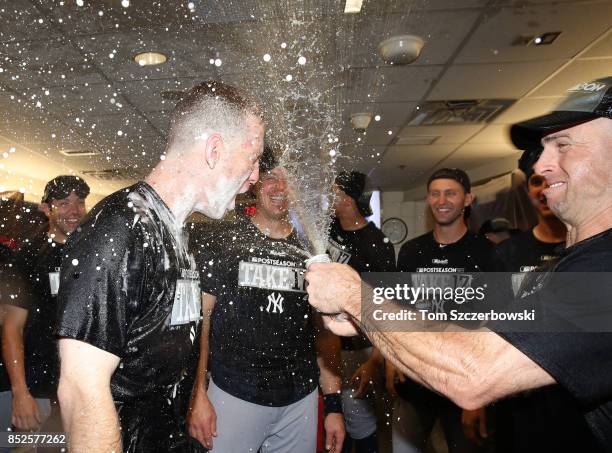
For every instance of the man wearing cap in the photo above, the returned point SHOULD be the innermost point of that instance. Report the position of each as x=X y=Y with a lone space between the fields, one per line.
x=448 y=248
x=260 y=339
x=129 y=294
x=29 y=345
x=476 y=368
x=545 y=419
x=360 y=244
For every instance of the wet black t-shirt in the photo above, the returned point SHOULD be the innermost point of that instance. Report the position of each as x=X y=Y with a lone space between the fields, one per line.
x=471 y=253
x=580 y=363
x=39 y=261
x=261 y=346
x=524 y=252
x=129 y=287
x=365 y=250
x=547 y=418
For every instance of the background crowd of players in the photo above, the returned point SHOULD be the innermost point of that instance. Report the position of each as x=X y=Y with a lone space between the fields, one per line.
x=261 y=355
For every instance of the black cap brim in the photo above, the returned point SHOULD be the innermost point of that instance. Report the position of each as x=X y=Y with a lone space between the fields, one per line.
x=527 y=135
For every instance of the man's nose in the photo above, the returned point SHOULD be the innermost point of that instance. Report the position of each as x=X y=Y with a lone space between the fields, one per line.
x=547 y=161
x=254 y=177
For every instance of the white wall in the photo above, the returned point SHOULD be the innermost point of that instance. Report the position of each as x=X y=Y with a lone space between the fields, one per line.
x=413 y=213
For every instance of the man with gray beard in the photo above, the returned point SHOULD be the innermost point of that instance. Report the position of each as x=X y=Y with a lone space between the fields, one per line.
x=476 y=368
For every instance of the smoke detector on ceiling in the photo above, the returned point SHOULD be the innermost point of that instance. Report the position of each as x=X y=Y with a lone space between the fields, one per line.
x=361 y=121
x=401 y=49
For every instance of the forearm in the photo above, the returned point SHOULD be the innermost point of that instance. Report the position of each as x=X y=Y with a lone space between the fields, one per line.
x=202 y=369
x=208 y=305
x=328 y=359
x=14 y=359
x=472 y=368
x=90 y=419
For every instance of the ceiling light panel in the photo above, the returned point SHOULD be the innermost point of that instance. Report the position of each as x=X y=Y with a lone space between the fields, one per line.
x=352 y=6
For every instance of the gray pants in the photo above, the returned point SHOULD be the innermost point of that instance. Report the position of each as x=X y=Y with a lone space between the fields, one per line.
x=244 y=427
x=359 y=413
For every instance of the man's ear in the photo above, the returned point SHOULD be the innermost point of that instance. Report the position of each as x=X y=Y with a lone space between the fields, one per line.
x=214 y=147
x=469 y=198
x=45 y=208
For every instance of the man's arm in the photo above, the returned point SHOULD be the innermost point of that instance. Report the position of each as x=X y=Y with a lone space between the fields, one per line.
x=88 y=410
x=328 y=359
x=472 y=368
x=25 y=413
x=202 y=419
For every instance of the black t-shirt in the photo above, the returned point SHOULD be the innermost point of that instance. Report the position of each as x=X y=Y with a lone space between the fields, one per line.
x=365 y=250
x=39 y=261
x=13 y=288
x=129 y=287
x=261 y=346
x=545 y=419
x=580 y=363
x=471 y=253
x=524 y=252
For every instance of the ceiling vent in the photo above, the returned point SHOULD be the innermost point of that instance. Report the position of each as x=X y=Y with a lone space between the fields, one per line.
x=78 y=152
x=467 y=111
x=417 y=140
x=111 y=174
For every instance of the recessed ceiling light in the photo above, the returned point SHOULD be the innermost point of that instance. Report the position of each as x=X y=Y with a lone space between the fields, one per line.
x=352 y=6
x=546 y=38
x=150 y=58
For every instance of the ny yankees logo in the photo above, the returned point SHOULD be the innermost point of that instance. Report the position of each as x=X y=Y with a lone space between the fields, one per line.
x=276 y=302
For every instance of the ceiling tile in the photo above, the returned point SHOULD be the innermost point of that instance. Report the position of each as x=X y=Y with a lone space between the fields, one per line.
x=576 y=72
x=390 y=84
x=489 y=81
x=527 y=108
x=454 y=134
x=580 y=25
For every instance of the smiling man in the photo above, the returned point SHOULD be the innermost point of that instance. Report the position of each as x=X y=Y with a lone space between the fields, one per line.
x=129 y=292
x=260 y=338
x=476 y=368
x=449 y=247
x=28 y=341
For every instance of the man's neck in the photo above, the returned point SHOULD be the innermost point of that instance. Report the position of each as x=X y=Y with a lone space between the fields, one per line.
x=176 y=196
x=273 y=228
x=592 y=226
x=351 y=219
x=449 y=234
x=56 y=234
x=550 y=230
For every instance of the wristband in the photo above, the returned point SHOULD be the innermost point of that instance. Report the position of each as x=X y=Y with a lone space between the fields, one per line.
x=332 y=403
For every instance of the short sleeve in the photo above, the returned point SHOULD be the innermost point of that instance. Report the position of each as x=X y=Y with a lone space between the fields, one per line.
x=579 y=362
x=209 y=261
x=99 y=270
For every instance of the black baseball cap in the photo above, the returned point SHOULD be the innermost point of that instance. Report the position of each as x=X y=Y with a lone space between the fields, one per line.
x=452 y=173
x=583 y=102
x=353 y=184
x=496 y=225
x=269 y=159
x=61 y=187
